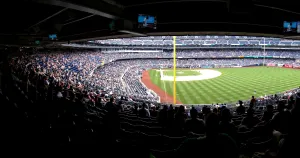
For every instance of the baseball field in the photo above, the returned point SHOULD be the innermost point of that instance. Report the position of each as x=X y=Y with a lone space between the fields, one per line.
x=224 y=85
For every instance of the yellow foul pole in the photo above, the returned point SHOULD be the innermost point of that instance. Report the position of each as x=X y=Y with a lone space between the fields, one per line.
x=174 y=69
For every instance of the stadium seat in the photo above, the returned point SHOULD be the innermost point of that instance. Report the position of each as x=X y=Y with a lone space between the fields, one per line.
x=151 y=141
x=130 y=137
x=172 y=142
x=244 y=136
x=258 y=145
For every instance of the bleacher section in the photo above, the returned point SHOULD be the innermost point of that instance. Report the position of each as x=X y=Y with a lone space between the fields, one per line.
x=200 y=40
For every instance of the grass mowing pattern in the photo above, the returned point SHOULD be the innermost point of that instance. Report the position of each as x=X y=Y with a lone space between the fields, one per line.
x=234 y=84
x=179 y=72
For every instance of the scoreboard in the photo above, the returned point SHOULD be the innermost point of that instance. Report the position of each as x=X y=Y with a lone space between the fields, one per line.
x=147 y=21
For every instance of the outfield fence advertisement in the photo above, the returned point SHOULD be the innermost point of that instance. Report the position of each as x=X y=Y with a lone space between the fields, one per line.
x=272 y=64
x=253 y=65
x=280 y=65
x=288 y=65
x=296 y=66
x=226 y=65
x=207 y=66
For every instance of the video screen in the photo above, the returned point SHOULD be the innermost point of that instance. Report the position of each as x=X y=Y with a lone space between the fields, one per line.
x=146 y=21
x=291 y=27
x=53 y=36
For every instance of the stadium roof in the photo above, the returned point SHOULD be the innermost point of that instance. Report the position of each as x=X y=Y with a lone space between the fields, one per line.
x=29 y=22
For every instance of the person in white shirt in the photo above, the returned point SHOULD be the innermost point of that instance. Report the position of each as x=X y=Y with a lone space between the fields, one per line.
x=298 y=27
x=145 y=21
x=289 y=27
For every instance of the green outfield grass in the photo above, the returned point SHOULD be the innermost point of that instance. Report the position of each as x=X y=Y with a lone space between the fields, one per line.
x=181 y=72
x=234 y=84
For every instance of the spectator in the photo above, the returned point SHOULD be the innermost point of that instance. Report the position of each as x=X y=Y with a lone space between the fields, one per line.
x=227 y=147
x=288 y=145
x=201 y=116
x=135 y=108
x=206 y=111
x=252 y=102
x=226 y=125
x=268 y=114
x=296 y=110
x=180 y=117
x=194 y=124
x=144 y=111
x=280 y=121
x=176 y=109
x=171 y=115
x=153 y=111
x=250 y=120
x=163 y=115
x=215 y=110
x=110 y=106
x=120 y=106
x=111 y=119
x=291 y=102
x=241 y=109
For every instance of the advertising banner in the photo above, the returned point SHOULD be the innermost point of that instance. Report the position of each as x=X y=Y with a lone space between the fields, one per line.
x=206 y=66
x=288 y=66
x=271 y=64
x=251 y=65
x=236 y=66
x=296 y=66
x=280 y=65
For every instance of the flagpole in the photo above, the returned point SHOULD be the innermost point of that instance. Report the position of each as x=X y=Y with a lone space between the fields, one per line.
x=264 y=51
x=174 y=70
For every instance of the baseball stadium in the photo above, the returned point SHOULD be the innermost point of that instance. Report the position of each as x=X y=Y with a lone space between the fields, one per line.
x=151 y=78
x=209 y=74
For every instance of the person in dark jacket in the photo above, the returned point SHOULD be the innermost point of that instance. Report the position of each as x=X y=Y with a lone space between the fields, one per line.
x=226 y=146
x=226 y=125
x=241 y=109
x=144 y=111
x=194 y=124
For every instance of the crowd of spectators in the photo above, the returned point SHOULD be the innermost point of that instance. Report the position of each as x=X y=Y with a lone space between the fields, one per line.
x=194 y=41
x=204 y=53
x=70 y=102
x=104 y=73
x=141 y=129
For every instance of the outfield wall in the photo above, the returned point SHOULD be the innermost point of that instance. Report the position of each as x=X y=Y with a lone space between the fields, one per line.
x=295 y=66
